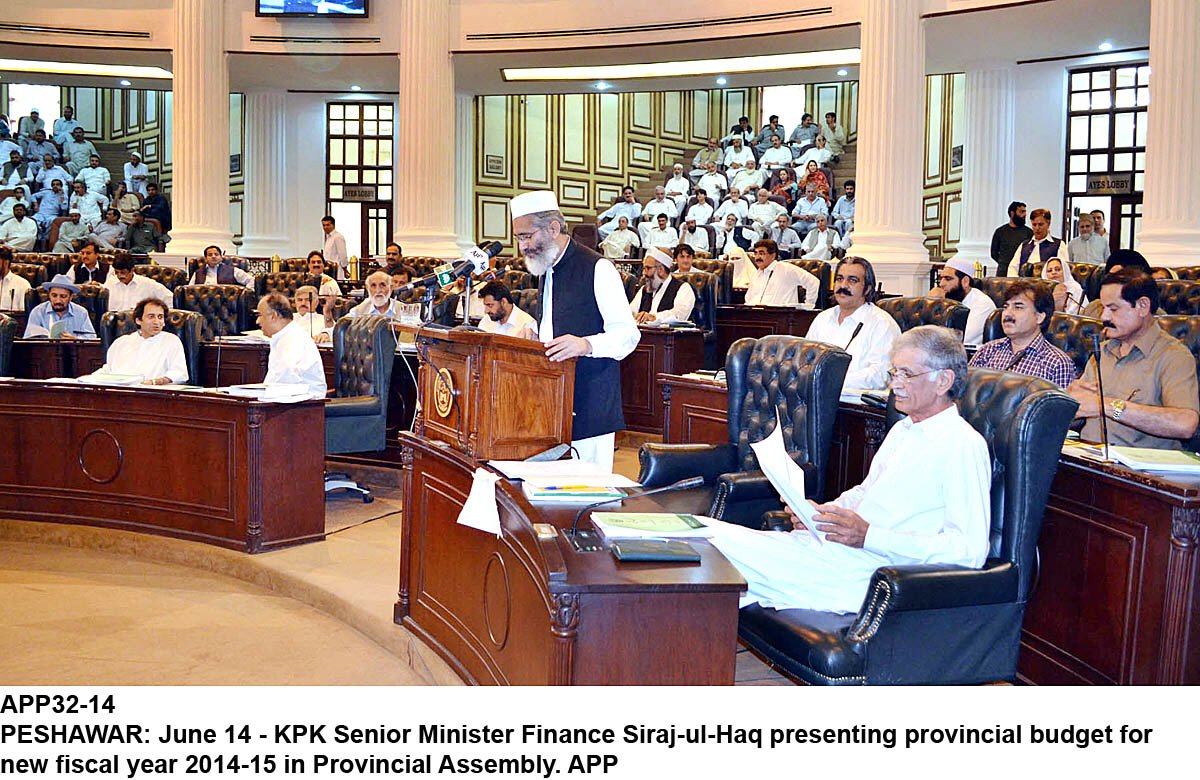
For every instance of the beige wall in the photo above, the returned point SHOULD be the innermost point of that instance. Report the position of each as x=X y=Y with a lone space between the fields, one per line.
x=941 y=203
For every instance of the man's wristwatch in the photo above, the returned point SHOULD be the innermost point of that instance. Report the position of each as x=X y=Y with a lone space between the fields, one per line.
x=1117 y=405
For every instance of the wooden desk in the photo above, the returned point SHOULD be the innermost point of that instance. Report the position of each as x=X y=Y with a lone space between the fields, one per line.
x=198 y=466
x=738 y=322
x=525 y=610
x=1117 y=600
x=661 y=350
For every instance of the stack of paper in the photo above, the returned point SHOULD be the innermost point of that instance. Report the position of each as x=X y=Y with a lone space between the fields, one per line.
x=104 y=378
x=785 y=476
x=278 y=392
x=1140 y=458
x=648 y=525
x=569 y=490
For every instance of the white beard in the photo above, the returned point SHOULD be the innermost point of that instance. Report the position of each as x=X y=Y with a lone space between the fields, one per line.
x=538 y=266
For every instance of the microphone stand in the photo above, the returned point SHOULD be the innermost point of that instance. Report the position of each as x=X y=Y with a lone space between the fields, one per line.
x=589 y=541
x=1100 y=397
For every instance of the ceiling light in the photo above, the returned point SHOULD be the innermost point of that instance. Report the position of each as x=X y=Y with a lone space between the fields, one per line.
x=843 y=72
x=355 y=88
x=766 y=62
x=1106 y=46
x=85 y=69
x=722 y=80
x=602 y=85
x=125 y=83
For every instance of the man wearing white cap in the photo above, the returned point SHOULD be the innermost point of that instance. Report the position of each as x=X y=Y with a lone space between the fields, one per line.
x=582 y=313
x=678 y=187
x=954 y=282
x=662 y=297
x=71 y=234
x=136 y=174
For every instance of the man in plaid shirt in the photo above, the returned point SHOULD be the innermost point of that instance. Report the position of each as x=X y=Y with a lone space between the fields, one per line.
x=1024 y=349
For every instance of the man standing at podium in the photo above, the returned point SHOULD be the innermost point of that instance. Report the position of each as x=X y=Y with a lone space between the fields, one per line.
x=583 y=314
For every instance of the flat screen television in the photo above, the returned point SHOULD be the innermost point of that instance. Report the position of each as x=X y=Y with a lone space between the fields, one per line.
x=312 y=8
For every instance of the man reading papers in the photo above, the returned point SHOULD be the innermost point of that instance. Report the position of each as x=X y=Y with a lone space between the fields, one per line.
x=294 y=358
x=151 y=352
x=926 y=498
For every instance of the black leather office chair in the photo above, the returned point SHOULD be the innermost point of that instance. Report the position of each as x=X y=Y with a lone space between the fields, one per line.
x=824 y=273
x=911 y=312
x=704 y=314
x=364 y=349
x=798 y=379
x=283 y=282
x=527 y=300
x=585 y=233
x=8 y=333
x=995 y=287
x=1069 y=332
x=171 y=278
x=723 y=270
x=187 y=325
x=226 y=308
x=516 y=280
x=630 y=282
x=445 y=308
x=34 y=273
x=940 y=624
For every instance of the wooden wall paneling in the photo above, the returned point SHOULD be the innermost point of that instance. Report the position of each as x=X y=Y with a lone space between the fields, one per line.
x=573 y=192
x=572 y=133
x=933 y=130
x=150 y=109
x=852 y=111
x=672 y=115
x=943 y=165
x=952 y=220
x=534 y=149
x=957 y=84
x=86 y=102
x=491 y=218
x=116 y=114
x=827 y=96
x=931 y=211
x=168 y=133
x=494 y=160
x=699 y=110
x=608 y=136
x=641 y=154
x=734 y=105
x=133 y=107
x=237 y=136
x=641 y=112
x=669 y=153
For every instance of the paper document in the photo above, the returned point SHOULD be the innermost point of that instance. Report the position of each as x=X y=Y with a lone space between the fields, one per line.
x=569 y=490
x=481 y=511
x=58 y=329
x=786 y=476
x=648 y=525
x=569 y=472
x=120 y=380
x=278 y=392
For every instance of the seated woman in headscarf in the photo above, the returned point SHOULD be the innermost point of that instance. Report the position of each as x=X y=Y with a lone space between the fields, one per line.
x=786 y=188
x=1119 y=260
x=813 y=175
x=1068 y=293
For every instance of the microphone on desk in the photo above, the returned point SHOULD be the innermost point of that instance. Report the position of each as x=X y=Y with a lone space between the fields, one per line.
x=475 y=260
x=854 y=335
x=1100 y=395
x=588 y=541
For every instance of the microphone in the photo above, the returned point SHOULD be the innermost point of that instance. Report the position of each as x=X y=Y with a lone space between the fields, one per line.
x=853 y=336
x=589 y=541
x=554 y=453
x=1100 y=396
x=475 y=260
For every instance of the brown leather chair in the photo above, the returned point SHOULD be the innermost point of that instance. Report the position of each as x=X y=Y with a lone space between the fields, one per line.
x=1177 y=296
x=723 y=270
x=52 y=235
x=1069 y=332
x=284 y=282
x=995 y=287
x=517 y=280
x=171 y=278
x=824 y=273
x=301 y=264
x=1186 y=328
x=187 y=325
x=585 y=233
x=226 y=308
x=423 y=265
x=34 y=273
x=919 y=310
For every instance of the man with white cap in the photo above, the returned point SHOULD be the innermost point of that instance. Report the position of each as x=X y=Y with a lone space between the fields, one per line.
x=582 y=313
x=59 y=317
x=954 y=282
x=71 y=234
x=136 y=174
x=678 y=187
x=661 y=297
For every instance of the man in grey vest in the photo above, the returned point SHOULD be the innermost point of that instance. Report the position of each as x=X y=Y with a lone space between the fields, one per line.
x=218 y=269
x=583 y=313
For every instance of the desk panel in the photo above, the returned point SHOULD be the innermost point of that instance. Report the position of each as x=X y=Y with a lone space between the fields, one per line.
x=660 y=351
x=740 y=321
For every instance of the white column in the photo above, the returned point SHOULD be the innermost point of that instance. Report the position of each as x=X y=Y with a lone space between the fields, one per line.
x=1171 y=205
x=891 y=125
x=266 y=176
x=988 y=159
x=200 y=127
x=464 y=170
x=425 y=223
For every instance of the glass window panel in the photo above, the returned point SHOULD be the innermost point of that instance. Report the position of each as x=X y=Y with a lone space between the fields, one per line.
x=1123 y=130
x=368 y=176
x=1100 y=131
x=1100 y=79
x=1079 y=81
x=352 y=153
x=351 y=176
x=1139 y=161
x=1099 y=163
x=1080 y=101
x=1077 y=183
x=1126 y=77
x=370 y=128
x=1143 y=96
x=370 y=112
x=335 y=152
x=1079 y=132
x=1144 y=75
x=385 y=111
x=352 y=111
x=370 y=153
x=1101 y=101
x=1123 y=161
x=1143 y=124
x=335 y=176
x=385 y=128
x=1079 y=163
x=337 y=111
x=385 y=192
x=351 y=127
x=385 y=152
x=337 y=127
x=1126 y=98
x=1139 y=181
x=335 y=192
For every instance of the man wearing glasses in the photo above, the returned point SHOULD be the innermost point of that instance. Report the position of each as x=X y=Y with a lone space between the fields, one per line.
x=583 y=313
x=926 y=498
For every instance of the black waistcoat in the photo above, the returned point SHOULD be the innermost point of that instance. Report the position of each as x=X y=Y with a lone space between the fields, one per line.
x=575 y=312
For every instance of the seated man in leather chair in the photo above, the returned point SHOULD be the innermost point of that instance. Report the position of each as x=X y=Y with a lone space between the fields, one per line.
x=151 y=352
x=926 y=498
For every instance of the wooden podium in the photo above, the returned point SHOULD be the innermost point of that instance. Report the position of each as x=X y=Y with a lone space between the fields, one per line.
x=492 y=397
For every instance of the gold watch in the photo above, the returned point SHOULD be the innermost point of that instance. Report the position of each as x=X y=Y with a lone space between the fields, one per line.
x=1117 y=405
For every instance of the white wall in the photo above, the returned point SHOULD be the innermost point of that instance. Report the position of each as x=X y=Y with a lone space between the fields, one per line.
x=1041 y=98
